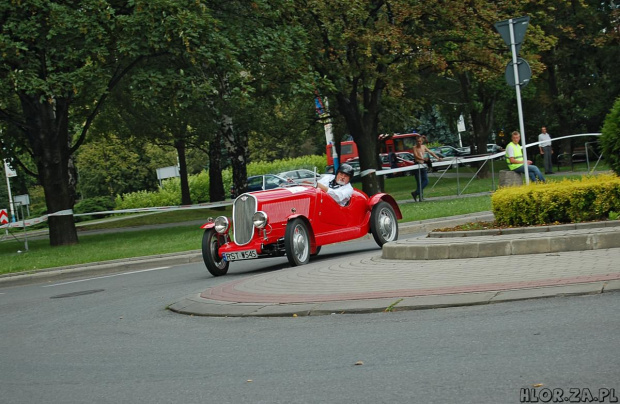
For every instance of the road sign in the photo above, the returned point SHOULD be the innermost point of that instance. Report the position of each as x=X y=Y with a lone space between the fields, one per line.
x=460 y=124
x=524 y=71
x=9 y=170
x=4 y=217
x=519 y=25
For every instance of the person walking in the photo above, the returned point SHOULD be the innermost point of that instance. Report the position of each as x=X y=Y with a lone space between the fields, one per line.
x=546 y=150
x=514 y=159
x=421 y=175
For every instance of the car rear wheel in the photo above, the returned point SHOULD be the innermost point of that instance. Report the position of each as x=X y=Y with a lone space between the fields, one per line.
x=297 y=242
x=383 y=223
x=211 y=242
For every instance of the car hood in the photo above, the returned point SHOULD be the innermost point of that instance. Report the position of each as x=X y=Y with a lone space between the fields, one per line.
x=284 y=193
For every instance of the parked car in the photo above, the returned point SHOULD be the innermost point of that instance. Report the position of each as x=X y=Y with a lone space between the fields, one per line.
x=493 y=148
x=354 y=162
x=294 y=221
x=464 y=151
x=260 y=182
x=301 y=176
x=449 y=151
x=403 y=159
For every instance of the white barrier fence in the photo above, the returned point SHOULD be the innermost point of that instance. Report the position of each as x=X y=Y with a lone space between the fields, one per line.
x=464 y=160
x=69 y=212
x=442 y=164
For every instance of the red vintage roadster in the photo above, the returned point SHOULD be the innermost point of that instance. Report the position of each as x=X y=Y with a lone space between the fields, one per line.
x=294 y=221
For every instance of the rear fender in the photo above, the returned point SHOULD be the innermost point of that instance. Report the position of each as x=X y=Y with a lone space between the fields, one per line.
x=375 y=199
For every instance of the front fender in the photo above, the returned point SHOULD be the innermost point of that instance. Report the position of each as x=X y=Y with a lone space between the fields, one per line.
x=313 y=245
x=208 y=225
x=376 y=198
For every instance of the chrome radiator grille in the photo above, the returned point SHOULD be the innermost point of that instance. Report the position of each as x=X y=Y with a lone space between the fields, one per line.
x=243 y=209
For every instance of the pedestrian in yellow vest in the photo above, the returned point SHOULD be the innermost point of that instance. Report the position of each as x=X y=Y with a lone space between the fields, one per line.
x=514 y=159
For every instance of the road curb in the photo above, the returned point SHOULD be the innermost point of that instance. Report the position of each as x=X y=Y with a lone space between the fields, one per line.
x=197 y=306
x=482 y=244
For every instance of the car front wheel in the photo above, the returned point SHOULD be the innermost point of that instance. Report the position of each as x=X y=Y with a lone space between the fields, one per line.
x=297 y=243
x=211 y=242
x=383 y=223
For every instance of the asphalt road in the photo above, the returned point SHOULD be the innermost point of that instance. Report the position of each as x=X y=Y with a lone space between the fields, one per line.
x=111 y=340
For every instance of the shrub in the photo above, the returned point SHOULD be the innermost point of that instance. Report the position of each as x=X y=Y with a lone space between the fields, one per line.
x=169 y=194
x=89 y=205
x=610 y=137
x=568 y=201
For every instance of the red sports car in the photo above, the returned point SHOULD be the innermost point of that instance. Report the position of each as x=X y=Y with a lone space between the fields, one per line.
x=294 y=221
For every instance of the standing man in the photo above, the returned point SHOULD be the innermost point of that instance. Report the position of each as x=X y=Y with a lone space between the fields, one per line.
x=546 y=150
x=421 y=175
x=514 y=159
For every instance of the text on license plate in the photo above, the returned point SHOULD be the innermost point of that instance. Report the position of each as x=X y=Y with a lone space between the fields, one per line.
x=241 y=255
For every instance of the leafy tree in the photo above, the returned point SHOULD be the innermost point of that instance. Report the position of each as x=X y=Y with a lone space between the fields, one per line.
x=263 y=67
x=109 y=167
x=580 y=82
x=161 y=103
x=359 y=49
x=610 y=137
x=61 y=60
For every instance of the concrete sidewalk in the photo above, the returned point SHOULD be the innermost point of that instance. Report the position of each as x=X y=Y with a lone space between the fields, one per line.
x=423 y=273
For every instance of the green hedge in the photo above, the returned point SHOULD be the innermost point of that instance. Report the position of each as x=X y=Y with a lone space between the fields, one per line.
x=568 y=201
x=169 y=194
x=610 y=137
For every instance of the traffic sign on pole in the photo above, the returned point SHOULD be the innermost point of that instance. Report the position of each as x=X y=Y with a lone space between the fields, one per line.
x=523 y=70
x=513 y=32
x=519 y=25
x=4 y=218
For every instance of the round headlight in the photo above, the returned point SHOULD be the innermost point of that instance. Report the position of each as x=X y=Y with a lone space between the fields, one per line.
x=259 y=219
x=221 y=224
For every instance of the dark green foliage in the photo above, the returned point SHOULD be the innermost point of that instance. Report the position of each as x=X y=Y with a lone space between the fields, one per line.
x=97 y=204
x=610 y=138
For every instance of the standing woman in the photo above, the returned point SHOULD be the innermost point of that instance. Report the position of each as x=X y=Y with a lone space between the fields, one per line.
x=421 y=176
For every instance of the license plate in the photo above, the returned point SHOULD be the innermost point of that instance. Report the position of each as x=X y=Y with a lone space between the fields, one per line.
x=241 y=255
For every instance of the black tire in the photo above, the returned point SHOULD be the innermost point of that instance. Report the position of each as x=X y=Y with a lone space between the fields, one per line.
x=297 y=242
x=211 y=242
x=383 y=223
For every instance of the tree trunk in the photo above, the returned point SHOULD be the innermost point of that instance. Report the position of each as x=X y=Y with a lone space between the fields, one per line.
x=481 y=105
x=186 y=198
x=216 y=185
x=47 y=131
x=237 y=146
x=363 y=127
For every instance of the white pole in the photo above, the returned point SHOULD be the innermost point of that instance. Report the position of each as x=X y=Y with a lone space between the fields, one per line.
x=8 y=186
x=329 y=135
x=518 y=89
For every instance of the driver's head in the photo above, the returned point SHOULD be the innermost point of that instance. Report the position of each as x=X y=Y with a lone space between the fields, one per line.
x=344 y=174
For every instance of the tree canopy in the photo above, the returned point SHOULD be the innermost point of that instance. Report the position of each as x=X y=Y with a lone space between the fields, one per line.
x=237 y=79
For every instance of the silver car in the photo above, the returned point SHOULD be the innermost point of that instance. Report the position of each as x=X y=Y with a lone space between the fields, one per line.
x=301 y=176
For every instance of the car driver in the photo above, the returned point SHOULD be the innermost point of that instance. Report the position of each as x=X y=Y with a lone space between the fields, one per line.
x=338 y=186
